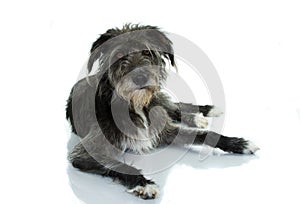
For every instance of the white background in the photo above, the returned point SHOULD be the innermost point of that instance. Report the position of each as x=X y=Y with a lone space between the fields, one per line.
x=254 y=45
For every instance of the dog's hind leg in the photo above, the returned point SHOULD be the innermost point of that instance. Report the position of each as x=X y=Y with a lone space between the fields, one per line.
x=127 y=175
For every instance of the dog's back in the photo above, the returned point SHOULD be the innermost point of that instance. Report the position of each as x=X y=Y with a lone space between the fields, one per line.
x=82 y=100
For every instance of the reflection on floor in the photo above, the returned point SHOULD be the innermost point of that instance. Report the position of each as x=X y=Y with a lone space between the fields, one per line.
x=219 y=178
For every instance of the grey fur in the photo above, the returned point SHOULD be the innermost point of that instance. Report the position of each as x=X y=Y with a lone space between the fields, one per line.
x=116 y=110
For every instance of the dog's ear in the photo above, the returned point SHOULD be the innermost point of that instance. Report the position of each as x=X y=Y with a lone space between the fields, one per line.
x=97 y=47
x=159 y=38
x=165 y=45
x=170 y=52
x=171 y=58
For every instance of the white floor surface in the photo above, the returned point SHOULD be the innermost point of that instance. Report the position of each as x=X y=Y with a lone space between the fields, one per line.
x=272 y=175
x=254 y=46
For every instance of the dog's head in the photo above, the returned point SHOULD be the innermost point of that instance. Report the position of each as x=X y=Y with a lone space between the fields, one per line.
x=133 y=59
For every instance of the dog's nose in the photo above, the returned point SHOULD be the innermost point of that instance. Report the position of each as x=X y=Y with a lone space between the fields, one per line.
x=140 y=79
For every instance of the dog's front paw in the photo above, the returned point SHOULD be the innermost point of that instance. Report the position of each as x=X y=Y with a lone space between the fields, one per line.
x=214 y=112
x=150 y=191
x=237 y=145
x=250 y=148
x=200 y=121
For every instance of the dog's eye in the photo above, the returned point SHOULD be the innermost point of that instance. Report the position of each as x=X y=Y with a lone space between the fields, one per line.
x=119 y=55
x=146 y=52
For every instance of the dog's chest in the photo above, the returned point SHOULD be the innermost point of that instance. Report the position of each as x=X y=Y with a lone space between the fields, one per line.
x=143 y=139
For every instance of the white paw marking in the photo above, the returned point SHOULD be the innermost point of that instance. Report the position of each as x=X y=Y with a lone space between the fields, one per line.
x=200 y=121
x=251 y=148
x=150 y=191
x=215 y=112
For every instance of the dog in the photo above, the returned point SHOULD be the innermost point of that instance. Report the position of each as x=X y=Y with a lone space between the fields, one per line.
x=121 y=108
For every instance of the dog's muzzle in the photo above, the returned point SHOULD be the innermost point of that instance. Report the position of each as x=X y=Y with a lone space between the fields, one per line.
x=140 y=79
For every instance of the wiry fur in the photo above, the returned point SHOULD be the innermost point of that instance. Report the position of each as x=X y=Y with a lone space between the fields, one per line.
x=121 y=108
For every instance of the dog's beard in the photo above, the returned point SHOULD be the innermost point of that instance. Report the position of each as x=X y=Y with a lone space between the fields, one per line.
x=141 y=98
x=138 y=97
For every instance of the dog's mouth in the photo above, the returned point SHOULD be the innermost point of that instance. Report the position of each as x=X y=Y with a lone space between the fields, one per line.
x=138 y=87
x=151 y=88
x=142 y=96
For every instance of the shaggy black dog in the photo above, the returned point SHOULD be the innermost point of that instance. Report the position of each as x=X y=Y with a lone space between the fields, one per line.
x=121 y=108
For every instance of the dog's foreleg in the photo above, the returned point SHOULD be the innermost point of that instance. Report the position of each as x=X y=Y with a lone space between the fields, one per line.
x=181 y=136
x=127 y=175
x=190 y=114
x=191 y=117
x=194 y=119
x=207 y=110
